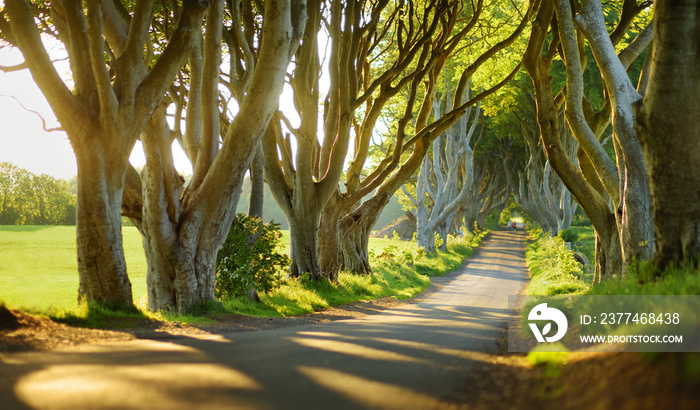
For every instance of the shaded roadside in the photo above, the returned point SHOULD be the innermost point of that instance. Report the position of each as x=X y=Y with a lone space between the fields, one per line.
x=415 y=355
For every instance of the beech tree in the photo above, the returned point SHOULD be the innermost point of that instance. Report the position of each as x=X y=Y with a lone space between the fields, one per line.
x=489 y=196
x=118 y=81
x=185 y=226
x=362 y=81
x=415 y=132
x=445 y=179
x=666 y=122
x=535 y=187
x=623 y=233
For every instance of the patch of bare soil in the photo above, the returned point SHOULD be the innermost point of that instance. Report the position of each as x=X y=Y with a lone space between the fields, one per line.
x=24 y=332
x=40 y=333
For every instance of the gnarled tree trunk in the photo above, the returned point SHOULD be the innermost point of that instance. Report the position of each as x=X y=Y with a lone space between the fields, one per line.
x=303 y=231
x=329 y=245
x=103 y=112
x=667 y=124
x=184 y=229
x=355 y=229
x=101 y=263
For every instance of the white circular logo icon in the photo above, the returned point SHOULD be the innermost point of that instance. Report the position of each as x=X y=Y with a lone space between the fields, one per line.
x=542 y=312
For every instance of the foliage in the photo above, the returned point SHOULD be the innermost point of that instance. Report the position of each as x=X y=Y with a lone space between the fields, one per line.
x=568 y=235
x=49 y=253
x=580 y=218
x=585 y=244
x=644 y=279
x=552 y=359
x=249 y=258
x=553 y=269
x=512 y=210
x=28 y=199
x=492 y=220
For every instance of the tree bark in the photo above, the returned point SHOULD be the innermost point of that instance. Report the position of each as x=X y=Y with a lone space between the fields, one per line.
x=101 y=263
x=355 y=229
x=608 y=258
x=329 y=238
x=103 y=115
x=355 y=256
x=303 y=231
x=634 y=213
x=667 y=124
x=257 y=185
x=180 y=274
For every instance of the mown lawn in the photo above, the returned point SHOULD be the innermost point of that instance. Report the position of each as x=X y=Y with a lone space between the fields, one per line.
x=39 y=267
x=38 y=271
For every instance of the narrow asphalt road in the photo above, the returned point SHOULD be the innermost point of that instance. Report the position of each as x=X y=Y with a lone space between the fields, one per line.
x=415 y=356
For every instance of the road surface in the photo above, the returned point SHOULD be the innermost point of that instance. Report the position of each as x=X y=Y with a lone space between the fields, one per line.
x=415 y=356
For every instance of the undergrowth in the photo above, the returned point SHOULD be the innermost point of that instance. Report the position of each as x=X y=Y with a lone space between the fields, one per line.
x=555 y=272
x=553 y=269
x=401 y=270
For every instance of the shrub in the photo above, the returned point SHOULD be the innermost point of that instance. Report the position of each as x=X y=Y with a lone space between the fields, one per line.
x=553 y=269
x=569 y=235
x=249 y=258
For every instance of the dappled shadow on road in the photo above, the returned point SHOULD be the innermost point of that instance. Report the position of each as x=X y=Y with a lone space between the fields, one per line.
x=409 y=358
x=413 y=356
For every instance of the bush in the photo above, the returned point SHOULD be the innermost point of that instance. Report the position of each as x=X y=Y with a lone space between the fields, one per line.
x=569 y=235
x=249 y=258
x=553 y=269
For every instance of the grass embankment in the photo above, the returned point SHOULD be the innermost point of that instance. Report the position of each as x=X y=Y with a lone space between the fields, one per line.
x=671 y=379
x=41 y=277
x=554 y=271
x=398 y=270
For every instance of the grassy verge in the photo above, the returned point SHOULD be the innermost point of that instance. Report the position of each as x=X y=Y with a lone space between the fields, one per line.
x=553 y=269
x=555 y=272
x=39 y=277
x=398 y=270
x=641 y=281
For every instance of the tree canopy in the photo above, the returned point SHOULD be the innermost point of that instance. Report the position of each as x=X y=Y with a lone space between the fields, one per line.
x=29 y=199
x=379 y=88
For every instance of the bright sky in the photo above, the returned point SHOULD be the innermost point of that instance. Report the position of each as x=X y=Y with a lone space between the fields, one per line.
x=25 y=143
x=23 y=140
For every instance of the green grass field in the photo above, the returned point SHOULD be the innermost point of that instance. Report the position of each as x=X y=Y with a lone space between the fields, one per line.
x=39 y=267
x=38 y=270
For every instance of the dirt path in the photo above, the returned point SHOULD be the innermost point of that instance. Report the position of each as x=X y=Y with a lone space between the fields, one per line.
x=415 y=355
